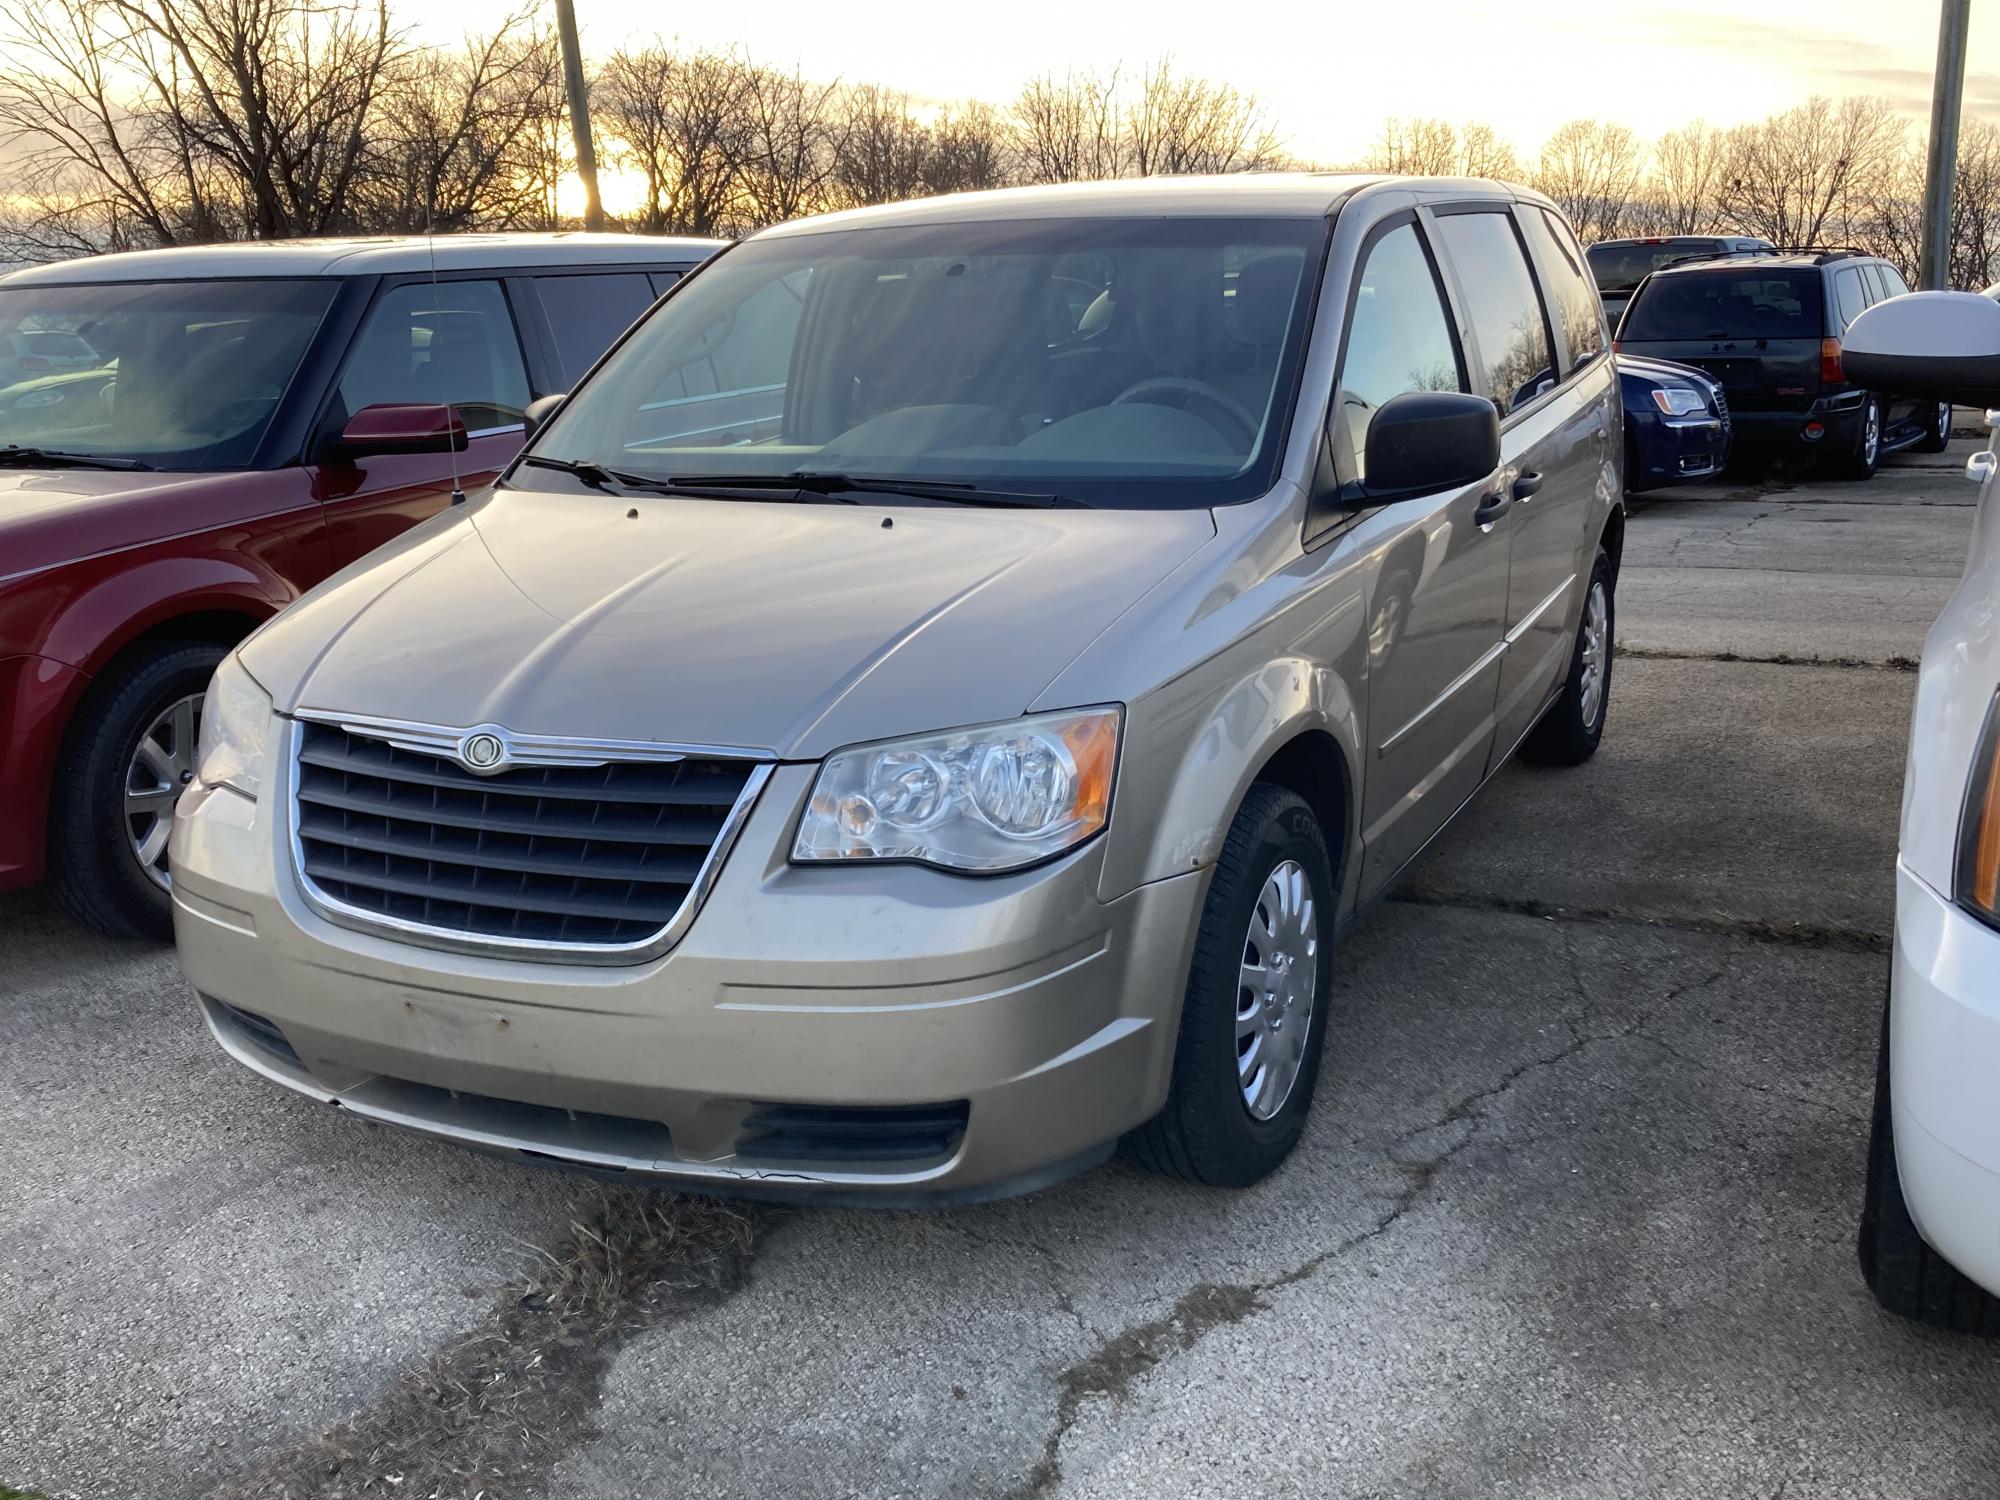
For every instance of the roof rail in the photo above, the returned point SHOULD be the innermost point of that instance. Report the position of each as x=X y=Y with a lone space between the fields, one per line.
x=1682 y=260
x=1831 y=252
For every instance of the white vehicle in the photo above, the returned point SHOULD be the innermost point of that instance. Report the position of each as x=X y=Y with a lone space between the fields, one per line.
x=35 y=354
x=1930 y=1225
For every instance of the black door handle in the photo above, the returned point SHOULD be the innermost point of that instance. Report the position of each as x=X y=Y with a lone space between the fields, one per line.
x=1526 y=486
x=1492 y=507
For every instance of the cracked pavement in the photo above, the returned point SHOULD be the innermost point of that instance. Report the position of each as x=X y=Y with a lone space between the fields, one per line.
x=1574 y=1214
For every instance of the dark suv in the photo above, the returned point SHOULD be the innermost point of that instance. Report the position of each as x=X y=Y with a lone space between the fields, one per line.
x=1769 y=327
x=1618 y=266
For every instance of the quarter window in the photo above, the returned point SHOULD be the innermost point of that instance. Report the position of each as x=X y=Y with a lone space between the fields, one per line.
x=1847 y=290
x=1893 y=279
x=1398 y=339
x=1502 y=306
x=452 y=344
x=1572 y=298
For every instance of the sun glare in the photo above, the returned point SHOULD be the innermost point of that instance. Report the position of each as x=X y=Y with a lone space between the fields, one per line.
x=622 y=189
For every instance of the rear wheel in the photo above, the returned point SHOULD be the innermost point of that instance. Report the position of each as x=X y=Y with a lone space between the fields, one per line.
x=129 y=755
x=1937 y=429
x=1861 y=460
x=1254 y=1018
x=1569 y=732
x=1908 y=1277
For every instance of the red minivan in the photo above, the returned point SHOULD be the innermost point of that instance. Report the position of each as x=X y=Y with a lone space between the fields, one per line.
x=233 y=424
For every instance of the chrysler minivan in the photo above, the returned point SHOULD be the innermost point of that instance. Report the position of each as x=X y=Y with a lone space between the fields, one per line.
x=925 y=707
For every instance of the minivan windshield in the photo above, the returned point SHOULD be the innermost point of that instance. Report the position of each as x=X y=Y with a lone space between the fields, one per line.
x=1124 y=362
x=169 y=374
x=1746 y=304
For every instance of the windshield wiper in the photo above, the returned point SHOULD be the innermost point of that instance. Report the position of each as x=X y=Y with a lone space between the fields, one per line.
x=49 y=458
x=616 y=481
x=813 y=483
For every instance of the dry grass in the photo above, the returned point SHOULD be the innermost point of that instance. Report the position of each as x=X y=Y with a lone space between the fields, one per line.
x=491 y=1414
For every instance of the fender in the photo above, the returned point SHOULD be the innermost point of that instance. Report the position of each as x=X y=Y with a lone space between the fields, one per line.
x=91 y=617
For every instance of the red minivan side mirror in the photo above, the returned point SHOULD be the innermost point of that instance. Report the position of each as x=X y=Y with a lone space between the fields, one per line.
x=400 y=429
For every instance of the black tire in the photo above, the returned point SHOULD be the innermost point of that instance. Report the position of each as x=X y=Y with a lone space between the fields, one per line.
x=1937 y=430
x=1206 y=1132
x=1860 y=462
x=1566 y=735
x=94 y=872
x=1908 y=1277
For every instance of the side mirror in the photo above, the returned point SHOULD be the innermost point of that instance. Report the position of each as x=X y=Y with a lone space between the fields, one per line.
x=1424 y=441
x=400 y=429
x=1940 y=344
x=539 y=411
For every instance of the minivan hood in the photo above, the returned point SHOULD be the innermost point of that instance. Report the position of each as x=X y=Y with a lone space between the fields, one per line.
x=782 y=627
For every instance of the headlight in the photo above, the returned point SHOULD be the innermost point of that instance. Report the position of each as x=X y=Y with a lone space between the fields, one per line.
x=235 y=725
x=1979 y=827
x=994 y=798
x=1676 y=401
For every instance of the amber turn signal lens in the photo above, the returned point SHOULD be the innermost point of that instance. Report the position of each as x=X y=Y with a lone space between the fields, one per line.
x=1979 y=830
x=1093 y=745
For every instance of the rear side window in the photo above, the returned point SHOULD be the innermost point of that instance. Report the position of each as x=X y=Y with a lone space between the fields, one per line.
x=1849 y=293
x=1502 y=306
x=585 y=313
x=1578 y=312
x=1727 y=305
x=1398 y=339
x=1619 y=268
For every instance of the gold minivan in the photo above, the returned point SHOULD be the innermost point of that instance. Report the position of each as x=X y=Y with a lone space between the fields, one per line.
x=924 y=708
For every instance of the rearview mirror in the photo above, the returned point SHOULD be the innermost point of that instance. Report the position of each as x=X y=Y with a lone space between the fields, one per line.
x=400 y=429
x=539 y=411
x=1939 y=344
x=1424 y=441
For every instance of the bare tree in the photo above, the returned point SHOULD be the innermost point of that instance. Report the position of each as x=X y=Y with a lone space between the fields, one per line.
x=1682 y=192
x=788 y=145
x=1181 y=125
x=1068 y=129
x=1424 y=147
x=965 y=150
x=1591 y=169
x=880 y=150
x=457 y=140
x=683 y=123
x=1800 y=176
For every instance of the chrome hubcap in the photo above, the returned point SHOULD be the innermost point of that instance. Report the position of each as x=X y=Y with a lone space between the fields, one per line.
x=1871 y=433
x=161 y=766
x=1596 y=651
x=1944 y=419
x=1275 y=991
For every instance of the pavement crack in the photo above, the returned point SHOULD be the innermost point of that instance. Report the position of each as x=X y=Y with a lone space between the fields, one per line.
x=1736 y=1080
x=1839 y=938
x=490 y=1415
x=1776 y=659
x=1109 y=1371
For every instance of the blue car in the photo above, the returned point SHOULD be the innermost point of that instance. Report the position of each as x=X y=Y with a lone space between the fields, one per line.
x=1676 y=423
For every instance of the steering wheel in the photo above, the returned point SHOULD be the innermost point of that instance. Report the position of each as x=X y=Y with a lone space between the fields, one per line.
x=1236 y=422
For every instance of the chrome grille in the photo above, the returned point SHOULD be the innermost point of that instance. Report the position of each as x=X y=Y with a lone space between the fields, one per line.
x=605 y=859
x=1721 y=405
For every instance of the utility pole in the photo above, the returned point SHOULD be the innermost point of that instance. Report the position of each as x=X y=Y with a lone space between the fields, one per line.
x=579 y=112
x=1934 y=273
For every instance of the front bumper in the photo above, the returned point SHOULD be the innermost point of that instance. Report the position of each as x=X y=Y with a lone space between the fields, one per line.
x=913 y=1034
x=1944 y=1060
x=1672 y=450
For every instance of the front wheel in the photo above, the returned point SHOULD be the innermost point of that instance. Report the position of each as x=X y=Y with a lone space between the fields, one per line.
x=128 y=757
x=1908 y=1277
x=1254 y=1018
x=1569 y=732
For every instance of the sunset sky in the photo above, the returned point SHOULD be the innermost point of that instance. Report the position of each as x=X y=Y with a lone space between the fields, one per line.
x=1331 y=72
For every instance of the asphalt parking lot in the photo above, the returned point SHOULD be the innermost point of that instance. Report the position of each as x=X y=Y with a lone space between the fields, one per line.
x=1574 y=1216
